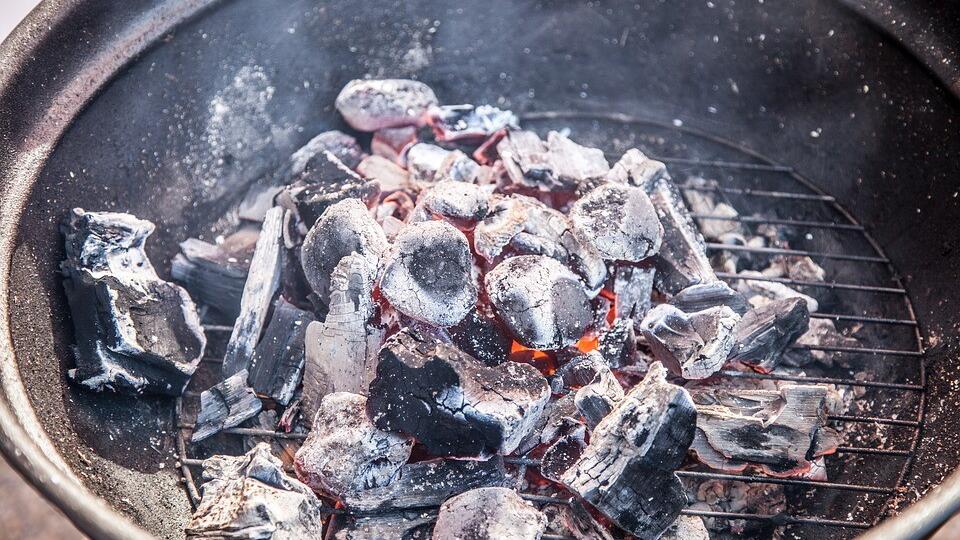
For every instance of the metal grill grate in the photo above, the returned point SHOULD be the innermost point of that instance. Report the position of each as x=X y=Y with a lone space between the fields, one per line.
x=745 y=160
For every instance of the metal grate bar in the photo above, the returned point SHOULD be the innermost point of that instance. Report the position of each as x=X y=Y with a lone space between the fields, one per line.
x=720 y=164
x=713 y=246
x=859 y=350
x=778 y=221
x=760 y=193
x=871 y=451
x=804 y=283
x=873 y=420
x=858 y=318
x=784 y=481
x=824 y=380
x=779 y=519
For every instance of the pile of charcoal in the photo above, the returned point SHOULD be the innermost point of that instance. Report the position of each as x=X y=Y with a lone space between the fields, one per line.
x=480 y=333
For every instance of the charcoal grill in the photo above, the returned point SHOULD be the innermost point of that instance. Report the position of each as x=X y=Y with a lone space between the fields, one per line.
x=105 y=106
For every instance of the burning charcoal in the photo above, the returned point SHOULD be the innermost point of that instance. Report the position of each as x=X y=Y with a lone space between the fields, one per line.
x=344 y=147
x=263 y=279
x=344 y=454
x=392 y=143
x=458 y=202
x=341 y=351
x=489 y=514
x=482 y=338
x=766 y=331
x=226 y=405
x=134 y=332
x=251 y=497
x=214 y=274
x=388 y=174
x=468 y=123
x=707 y=295
x=277 y=365
x=557 y=420
x=450 y=401
x=415 y=524
x=542 y=302
x=458 y=167
x=693 y=346
x=617 y=344
x=633 y=286
x=636 y=169
x=595 y=400
x=687 y=528
x=369 y=105
x=424 y=160
x=779 y=431
x=620 y=221
x=557 y=165
x=626 y=471
x=563 y=453
x=760 y=292
x=519 y=225
x=428 y=274
x=346 y=227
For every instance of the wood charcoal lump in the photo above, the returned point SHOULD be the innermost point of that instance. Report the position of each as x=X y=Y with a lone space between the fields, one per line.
x=369 y=105
x=469 y=123
x=633 y=287
x=424 y=160
x=636 y=169
x=694 y=346
x=415 y=524
x=325 y=182
x=277 y=365
x=620 y=221
x=707 y=295
x=214 y=274
x=558 y=164
x=766 y=331
x=489 y=514
x=135 y=333
x=460 y=203
x=225 y=405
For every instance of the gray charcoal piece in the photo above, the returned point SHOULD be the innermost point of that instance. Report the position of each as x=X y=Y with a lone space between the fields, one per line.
x=766 y=331
x=250 y=496
x=345 y=454
x=277 y=365
x=470 y=123
x=687 y=528
x=558 y=164
x=595 y=400
x=633 y=287
x=344 y=228
x=460 y=203
x=372 y=104
x=779 y=431
x=482 y=337
x=618 y=344
x=693 y=346
x=451 y=402
x=627 y=470
x=489 y=514
x=226 y=405
x=559 y=418
x=759 y=292
x=636 y=169
x=389 y=175
x=521 y=225
x=135 y=333
x=704 y=203
x=416 y=524
x=620 y=221
x=820 y=333
x=458 y=167
x=263 y=280
x=424 y=160
x=707 y=295
x=326 y=181
x=543 y=303
x=214 y=274
x=428 y=274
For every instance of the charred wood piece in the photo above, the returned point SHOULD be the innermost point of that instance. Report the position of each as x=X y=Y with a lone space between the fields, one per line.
x=694 y=346
x=134 y=332
x=620 y=221
x=278 y=359
x=416 y=524
x=704 y=203
x=575 y=520
x=766 y=331
x=563 y=452
x=370 y=105
x=596 y=389
x=559 y=418
x=707 y=295
x=633 y=287
x=226 y=405
x=558 y=164
x=450 y=401
x=489 y=514
x=325 y=182
x=542 y=302
x=460 y=203
x=636 y=169
x=456 y=123
x=617 y=344
x=820 y=333
x=424 y=160
x=214 y=274
x=482 y=337
x=761 y=292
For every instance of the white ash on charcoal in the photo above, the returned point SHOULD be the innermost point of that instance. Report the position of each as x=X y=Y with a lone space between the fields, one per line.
x=451 y=402
x=415 y=524
x=707 y=295
x=596 y=389
x=559 y=418
x=489 y=514
x=341 y=350
x=521 y=225
x=564 y=452
x=765 y=332
x=542 y=302
x=345 y=454
x=458 y=167
x=694 y=345
x=778 y=431
x=617 y=345
x=704 y=203
x=277 y=365
x=636 y=169
x=459 y=203
x=214 y=274
x=326 y=182
x=573 y=519
x=820 y=333
x=687 y=528
x=346 y=227
x=558 y=164
x=482 y=337
x=428 y=274
x=469 y=123
x=135 y=333
x=225 y=405
x=633 y=287
x=620 y=221
x=263 y=281
x=390 y=176
x=797 y=268
x=374 y=104
x=424 y=160
x=627 y=470
x=760 y=292
x=251 y=497
x=393 y=143
x=737 y=497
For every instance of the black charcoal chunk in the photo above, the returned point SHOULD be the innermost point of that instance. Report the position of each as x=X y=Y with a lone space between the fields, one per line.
x=250 y=496
x=759 y=291
x=424 y=160
x=596 y=389
x=542 y=302
x=326 y=181
x=620 y=221
x=707 y=295
x=134 y=332
x=694 y=346
x=415 y=524
x=558 y=164
x=520 y=225
x=626 y=471
x=214 y=274
x=460 y=203
x=226 y=405
x=633 y=287
x=277 y=365
x=779 y=431
x=263 y=280
x=346 y=227
x=558 y=419
x=470 y=123
x=310 y=156
x=372 y=104
x=577 y=520
x=482 y=337
x=765 y=332
x=489 y=514
x=428 y=274
x=562 y=453
x=617 y=344
x=450 y=401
